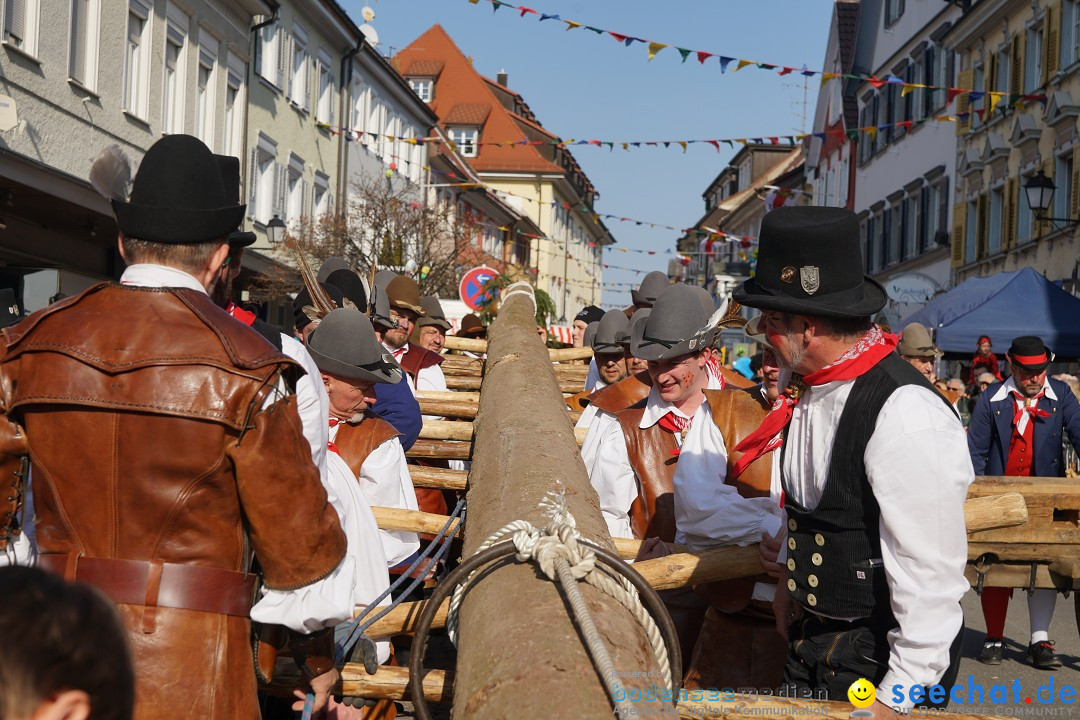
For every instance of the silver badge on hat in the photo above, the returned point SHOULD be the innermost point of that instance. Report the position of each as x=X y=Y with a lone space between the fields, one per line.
x=810 y=279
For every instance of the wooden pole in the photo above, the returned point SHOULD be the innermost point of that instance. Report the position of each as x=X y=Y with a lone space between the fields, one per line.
x=440 y=449
x=412 y=520
x=520 y=654
x=475 y=345
x=463 y=431
x=438 y=478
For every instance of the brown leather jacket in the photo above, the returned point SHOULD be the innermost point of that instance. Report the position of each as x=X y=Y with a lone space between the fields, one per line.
x=356 y=442
x=156 y=470
x=628 y=391
x=653 y=453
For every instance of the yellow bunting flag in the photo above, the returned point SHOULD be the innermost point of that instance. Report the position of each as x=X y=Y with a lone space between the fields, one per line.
x=626 y=146
x=906 y=89
x=871 y=132
x=995 y=98
x=742 y=64
x=570 y=24
x=655 y=47
x=683 y=143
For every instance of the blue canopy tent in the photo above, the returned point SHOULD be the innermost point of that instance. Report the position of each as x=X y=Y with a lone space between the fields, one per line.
x=1003 y=306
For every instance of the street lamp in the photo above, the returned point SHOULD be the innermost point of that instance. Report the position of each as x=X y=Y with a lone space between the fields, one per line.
x=275 y=230
x=1040 y=197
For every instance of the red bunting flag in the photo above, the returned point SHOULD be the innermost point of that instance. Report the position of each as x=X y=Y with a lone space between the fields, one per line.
x=875 y=81
x=524 y=10
x=951 y=94
x=702 y=56
x=715 y=144
x=786 y=70
x=617 y=36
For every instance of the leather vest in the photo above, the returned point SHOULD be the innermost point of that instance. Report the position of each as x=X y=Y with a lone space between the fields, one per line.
x=628 y=391
x=356 y=442
x=142 y=412
x=653 y=453
x=737 y=412
x=416 y=359
x=579 y=401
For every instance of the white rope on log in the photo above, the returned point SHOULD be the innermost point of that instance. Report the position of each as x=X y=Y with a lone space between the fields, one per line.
x=561 y=558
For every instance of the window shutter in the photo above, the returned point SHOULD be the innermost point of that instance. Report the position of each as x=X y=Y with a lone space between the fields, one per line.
x=1016 y=72
x=1052 y=31
x=330 y=99
x=1009 y=235
x=982 y=226
x=305 y=209
x=963 y=102
x=309 y=79
x=283 y=60
x=279 y=191
x=79 y=20
x=252 y=180
x=15 y=19
x=958 y=224
x=1074 y=204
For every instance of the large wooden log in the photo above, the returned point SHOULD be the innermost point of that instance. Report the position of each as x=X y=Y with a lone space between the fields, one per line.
x=518 y=646
x=438 y=478
x=440 y=450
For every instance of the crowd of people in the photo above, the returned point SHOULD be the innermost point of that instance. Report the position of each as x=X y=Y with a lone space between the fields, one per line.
x=165 y=448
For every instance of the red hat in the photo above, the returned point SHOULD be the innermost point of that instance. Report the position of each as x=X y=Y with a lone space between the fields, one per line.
x=984 y=337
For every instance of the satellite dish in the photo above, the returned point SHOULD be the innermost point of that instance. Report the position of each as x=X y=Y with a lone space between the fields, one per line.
x=370 y=35
x=367 y=13
x=9 y=116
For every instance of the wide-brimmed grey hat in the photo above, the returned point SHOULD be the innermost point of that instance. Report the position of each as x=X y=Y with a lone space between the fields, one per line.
x=590 y=333
x=433 y=313
x=650 y=288
x=915 y=342
x=609 y=331
x=330 y=265
x=671 y=329
x=345 y=345
x=708 y=304
x=638 y=317
x=383 y=278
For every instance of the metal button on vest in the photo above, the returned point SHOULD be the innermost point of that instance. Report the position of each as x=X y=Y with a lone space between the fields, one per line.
x=811 y=600
x=820 y=539
x=791 y=585
x=791 y=564
x=791 y=543
x=792 y=525
x=812 y=580
x=816 y=558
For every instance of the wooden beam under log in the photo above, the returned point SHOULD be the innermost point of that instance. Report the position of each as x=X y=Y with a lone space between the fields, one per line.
x=476 y=345
x=438 y=478
x=440 y=449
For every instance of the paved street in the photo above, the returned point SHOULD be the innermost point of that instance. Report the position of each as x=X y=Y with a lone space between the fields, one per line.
x=1063 y=631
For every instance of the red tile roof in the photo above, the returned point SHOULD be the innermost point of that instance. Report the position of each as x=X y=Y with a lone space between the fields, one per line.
x=467 y=115
x=424 y=68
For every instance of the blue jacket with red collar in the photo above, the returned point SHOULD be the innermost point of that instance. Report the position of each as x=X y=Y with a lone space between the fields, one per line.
x=990 y=430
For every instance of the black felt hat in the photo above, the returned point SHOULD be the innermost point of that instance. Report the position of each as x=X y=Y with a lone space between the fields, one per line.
x=229 y=167
x=345 y=345
x=352 y=287
x=810 y=263
x=1030 y=353
x=9 y=308
x=303 y=299
x=178 y=196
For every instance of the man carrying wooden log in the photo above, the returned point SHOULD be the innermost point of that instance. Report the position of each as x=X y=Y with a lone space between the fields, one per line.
x=635 y=456
x=1017 y=429
x=873 y=472
x=738 y=644
x=167 y=535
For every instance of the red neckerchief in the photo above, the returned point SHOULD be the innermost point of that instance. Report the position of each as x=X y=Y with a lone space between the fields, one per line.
x=1020 y=417
x=674 y=424
x=713 y=368
x=874 y=347
x=245 y=316
x=330 y=445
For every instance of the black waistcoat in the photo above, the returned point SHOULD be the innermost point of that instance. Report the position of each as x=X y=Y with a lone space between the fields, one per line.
x=834 y=551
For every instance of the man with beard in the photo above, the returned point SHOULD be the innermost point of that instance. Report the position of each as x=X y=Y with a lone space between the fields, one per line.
x=109 y=384
x=635 y=457
x=421 y=366
x=873 y=580
x=1016 y=430
x=431 y=327
x=919 y=350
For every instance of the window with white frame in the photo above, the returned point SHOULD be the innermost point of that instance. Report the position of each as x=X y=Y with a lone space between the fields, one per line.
x=1063 y=167
x=206 y=95
x=466 y=138
x=294 y=209
x=234 y=105
x=320 y=195
x=1033 y=59
x=325 y=109
x=172 y=92
x=911 y=226
x=374 y=120
x=997 y=197
x=21 y=24
x=1002 y=70
x=1070 y=32
x=745 y=173
x=424 y=87
x=137 y=60
x=83 y=45
x=262 y=181
x=896 y=232
x=268 y=54
x=299 y=92
x=359 y=103
x=893 y=10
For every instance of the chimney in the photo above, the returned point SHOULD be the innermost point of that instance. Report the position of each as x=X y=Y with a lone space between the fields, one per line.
x=501 y=78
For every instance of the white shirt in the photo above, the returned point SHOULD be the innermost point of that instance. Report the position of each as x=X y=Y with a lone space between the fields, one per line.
x=918 y=466
x=328 y=601
x=609 y=466
x=590 y=410
x=363 y=571
x=385 y=482
x=593 y=375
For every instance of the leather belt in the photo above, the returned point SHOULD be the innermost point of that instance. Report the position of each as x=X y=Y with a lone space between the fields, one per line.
x=158 y=584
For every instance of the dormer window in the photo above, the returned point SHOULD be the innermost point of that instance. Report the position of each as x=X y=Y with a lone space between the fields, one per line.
x=465 y=137
x=424 y=87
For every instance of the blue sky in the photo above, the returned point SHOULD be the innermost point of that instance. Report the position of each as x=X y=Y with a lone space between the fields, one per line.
x=583 y=85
